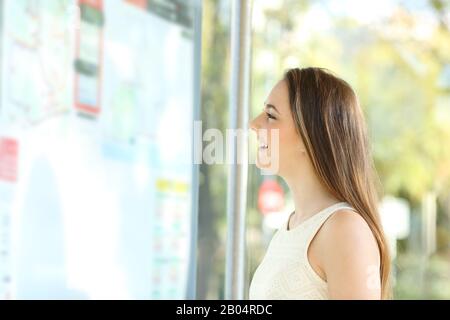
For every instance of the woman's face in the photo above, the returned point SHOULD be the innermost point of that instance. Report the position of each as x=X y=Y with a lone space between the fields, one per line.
x=287 y=152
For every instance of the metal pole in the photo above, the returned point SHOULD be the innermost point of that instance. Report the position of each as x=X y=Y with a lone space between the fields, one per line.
x=237 y=178
x=192 y=272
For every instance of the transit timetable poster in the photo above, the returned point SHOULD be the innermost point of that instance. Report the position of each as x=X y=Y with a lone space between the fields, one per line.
x=95 y=161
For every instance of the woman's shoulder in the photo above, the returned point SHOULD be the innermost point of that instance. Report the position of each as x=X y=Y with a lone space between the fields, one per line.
x=349 y=255
x=347 y=228
x=345 y=237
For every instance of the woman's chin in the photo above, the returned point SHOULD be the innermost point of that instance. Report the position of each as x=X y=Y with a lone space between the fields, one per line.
x=266 y=166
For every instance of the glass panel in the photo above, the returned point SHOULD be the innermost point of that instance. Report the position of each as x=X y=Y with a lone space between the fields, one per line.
x=96 y=177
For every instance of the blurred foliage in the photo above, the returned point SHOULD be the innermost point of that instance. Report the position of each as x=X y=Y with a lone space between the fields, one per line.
x=419 y=277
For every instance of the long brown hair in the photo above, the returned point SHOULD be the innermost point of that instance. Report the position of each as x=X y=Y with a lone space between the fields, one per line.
x=329 y=119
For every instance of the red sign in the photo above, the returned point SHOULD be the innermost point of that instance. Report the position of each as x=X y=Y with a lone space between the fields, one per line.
x=139 y=3
x=270 y=197
x=8 y=159
x=89 y=51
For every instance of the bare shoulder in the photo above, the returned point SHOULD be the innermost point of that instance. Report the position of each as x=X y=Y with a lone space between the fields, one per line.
x=348 y=228
x=349 y=256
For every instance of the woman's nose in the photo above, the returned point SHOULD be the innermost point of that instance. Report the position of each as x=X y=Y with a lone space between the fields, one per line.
x=254 y=124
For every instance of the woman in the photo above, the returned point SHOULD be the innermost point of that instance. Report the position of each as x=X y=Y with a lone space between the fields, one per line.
x=332 y=246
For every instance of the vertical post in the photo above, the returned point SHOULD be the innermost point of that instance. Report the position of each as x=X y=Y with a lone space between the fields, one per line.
x=192 y=276
x=429 y=212
x=237 y=178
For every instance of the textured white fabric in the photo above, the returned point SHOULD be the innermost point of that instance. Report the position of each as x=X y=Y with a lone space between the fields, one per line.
x=285 y=271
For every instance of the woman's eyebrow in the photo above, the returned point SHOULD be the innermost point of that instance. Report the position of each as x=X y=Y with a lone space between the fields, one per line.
x=268 y=105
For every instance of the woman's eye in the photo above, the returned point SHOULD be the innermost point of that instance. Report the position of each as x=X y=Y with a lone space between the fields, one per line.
x=270 y=116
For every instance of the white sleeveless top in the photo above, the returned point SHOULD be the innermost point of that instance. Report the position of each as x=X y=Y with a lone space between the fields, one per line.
x=285 y=271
